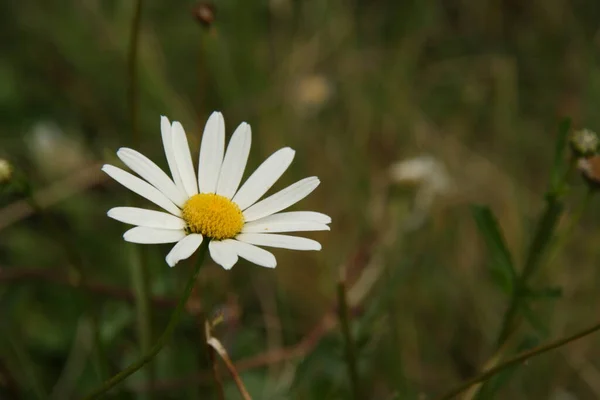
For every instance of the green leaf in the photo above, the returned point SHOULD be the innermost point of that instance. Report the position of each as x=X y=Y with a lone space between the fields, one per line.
x=548 y=222
x=543 y=234
x=501 y=279
x=500 y=256
x=547 y=293
x=534 y=320
x=557 y=173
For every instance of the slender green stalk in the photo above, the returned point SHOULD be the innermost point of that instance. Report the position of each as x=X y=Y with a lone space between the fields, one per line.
x=542 y=238
x=132 y=60
x=539 y=245
x=138 y=265
x=163 y=339
x=140 y=282
x=343 y=314
x=574 y=221
x=519 y=358
x=98 y=354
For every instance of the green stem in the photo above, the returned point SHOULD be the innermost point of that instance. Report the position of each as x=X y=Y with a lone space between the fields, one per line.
x=139 y=268
x=349 y=343
x=163 y=339
x=132 y=69
x=541 y=239
x=98 y=354
x=574 y=221
x=519 y=358
x=141 y=290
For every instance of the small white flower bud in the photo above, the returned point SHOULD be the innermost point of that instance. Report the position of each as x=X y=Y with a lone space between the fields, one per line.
x=585 y=142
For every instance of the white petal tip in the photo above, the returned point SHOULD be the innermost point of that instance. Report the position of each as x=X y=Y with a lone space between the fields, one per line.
x=165 y=124
x=217 y=115
x=170 y=263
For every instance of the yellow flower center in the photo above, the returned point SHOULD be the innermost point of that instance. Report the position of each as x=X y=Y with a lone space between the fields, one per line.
x=213 y=216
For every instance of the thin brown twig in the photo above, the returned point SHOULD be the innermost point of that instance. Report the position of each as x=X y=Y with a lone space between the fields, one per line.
x=212 y=355
x=83 y=179
x=365 y=262
x=15 y=274
x=299 y=350
x=518 y=359
x=216 y=345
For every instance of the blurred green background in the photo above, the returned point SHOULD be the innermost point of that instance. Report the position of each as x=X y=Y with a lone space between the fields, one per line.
x=470 y=92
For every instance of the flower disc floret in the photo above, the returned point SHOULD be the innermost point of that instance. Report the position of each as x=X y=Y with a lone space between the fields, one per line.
x=213 y=216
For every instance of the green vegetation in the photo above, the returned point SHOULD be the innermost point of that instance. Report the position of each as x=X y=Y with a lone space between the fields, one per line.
x=481 y=246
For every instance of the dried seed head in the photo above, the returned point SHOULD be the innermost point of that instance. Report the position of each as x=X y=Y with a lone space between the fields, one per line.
x=204 y=13
x=584 y=142
x=590 y=169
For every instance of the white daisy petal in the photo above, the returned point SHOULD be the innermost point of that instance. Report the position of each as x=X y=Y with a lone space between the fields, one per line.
x=211 y=153
x=223 y=253
x=147 y=218
x=284 y=226
x=252 y=253
x=183 y=157
x=235 y=161
x=296 y=216
x=282 y=199
x=142 y=188
x=144 y=167
x=144 y=235
x=282 y=241
x=264 y=177
x=167 y=139
x=184 y=249
x=220 y=172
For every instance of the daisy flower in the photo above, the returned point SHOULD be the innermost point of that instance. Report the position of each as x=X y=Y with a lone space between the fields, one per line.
x=212 y=206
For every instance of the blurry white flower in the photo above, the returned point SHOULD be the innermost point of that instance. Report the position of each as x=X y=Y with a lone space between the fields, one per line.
x=584 y=142
x=422 y=171
x=311 y=93
x=210 y=205
x=428 y=175
x=5 y=171
x=53 y=151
